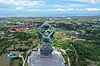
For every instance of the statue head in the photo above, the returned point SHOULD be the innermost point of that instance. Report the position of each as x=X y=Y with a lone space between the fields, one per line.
x=45 y=30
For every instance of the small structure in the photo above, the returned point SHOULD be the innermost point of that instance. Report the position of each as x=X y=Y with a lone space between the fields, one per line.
x=12 y=54
x=2 y=34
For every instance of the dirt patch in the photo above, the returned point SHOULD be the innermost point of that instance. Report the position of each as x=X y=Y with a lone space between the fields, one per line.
x=92 y=63
x=4 y=61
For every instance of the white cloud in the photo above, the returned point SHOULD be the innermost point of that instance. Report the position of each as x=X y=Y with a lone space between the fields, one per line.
x=75 y=9
x=23 y=3
x=58 y=5
x=59 y=9
x=88 y=1
x=68 y=6
x=19 y=8
x=76 y=5
x=54 y=10
x=82 y=0
x=71 y=9
x=64 y=10
x=92 y=9
x=40 y=10
x=47 y=10
x=92 y=1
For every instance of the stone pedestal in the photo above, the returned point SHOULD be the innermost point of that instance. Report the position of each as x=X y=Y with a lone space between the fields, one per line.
x=56 y=60
x=46 y=52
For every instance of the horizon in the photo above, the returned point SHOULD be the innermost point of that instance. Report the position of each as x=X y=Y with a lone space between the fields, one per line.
x=47 y=16
x=49 y=8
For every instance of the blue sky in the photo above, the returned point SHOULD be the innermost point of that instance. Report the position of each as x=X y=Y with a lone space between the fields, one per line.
x=49 y=8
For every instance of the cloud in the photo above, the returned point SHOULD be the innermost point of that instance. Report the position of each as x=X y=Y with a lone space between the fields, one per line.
x=49 y=6
x=71 y=9
x=34 y=10
x=58 y=5
x=55 y=10
x=68 y=5
x=19 y=8
x=59 y=9
x=92 y=9
x=65 y=10
x=90 y=1
x=76 y=5
x=46 y=10
x=23 y=3
x=41 y=10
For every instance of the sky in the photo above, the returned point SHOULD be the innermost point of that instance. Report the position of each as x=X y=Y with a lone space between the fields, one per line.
x=49 y=8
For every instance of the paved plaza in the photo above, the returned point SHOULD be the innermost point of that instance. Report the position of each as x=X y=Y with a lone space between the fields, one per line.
x=56 y=60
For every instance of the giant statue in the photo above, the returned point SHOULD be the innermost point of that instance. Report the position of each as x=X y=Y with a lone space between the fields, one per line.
x=45 y=34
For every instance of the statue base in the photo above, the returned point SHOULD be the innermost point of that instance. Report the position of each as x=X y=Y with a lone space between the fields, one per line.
x=56 y=60
x=46 y=52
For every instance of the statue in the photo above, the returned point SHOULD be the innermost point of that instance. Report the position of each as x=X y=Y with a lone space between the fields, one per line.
x=45 y=34
x=47 y=56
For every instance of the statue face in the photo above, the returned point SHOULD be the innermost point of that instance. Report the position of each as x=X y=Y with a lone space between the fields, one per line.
x=46 y=33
